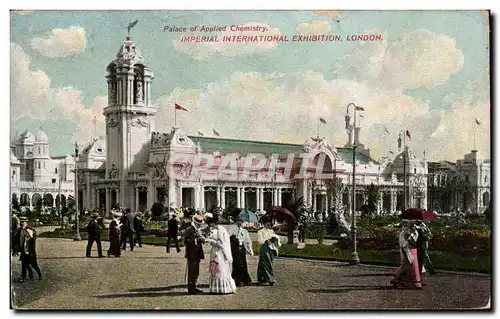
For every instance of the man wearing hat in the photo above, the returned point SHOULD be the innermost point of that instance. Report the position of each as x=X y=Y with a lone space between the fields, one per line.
x=94 y=234
x=193 y=241
x=173 y=230
x=138 y=227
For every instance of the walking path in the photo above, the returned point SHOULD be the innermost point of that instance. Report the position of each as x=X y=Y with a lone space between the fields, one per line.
x=148 y=278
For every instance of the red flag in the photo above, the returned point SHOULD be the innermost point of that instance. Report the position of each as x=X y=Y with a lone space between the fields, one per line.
x=322 y=120
x=178 y=107
x=408 y=134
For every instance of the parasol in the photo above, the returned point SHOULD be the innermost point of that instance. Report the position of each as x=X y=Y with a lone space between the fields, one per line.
x=418 y=213
x=246 y=215
x=278 y=211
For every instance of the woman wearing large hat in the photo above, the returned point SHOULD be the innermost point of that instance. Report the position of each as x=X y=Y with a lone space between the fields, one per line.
x=220 y=280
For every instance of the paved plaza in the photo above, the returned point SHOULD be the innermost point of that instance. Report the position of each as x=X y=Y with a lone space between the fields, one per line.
x=148 y=278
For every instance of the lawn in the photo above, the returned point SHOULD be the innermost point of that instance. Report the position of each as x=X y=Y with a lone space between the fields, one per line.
x=146 y=239
x=442 y=260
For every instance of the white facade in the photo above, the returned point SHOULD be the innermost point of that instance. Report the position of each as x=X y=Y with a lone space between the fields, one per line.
x=35 y=175
x=130 y=167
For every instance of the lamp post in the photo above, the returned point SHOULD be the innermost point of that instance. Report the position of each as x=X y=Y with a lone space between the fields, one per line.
x=401 y=133
x=77 y=234
x=354 y=258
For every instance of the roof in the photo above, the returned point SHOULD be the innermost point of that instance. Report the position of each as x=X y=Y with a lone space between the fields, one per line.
x=225 y=146
x=13 y=159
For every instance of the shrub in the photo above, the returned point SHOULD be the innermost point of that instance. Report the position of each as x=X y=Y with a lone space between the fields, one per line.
x=317 y=231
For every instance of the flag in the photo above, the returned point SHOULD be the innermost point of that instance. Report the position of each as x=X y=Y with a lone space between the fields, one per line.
x=322 y=120
x=178 y=107
x=359 y=108
x=94 y=121
x=200 y=133
x=391 y=152
x=408 y=134
x=386 y=130
x=216 y=133
x=477 y=122
x=132 y=24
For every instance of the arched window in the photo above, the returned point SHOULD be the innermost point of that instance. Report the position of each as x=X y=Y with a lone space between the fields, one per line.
x=485 y=179
x=56 y=170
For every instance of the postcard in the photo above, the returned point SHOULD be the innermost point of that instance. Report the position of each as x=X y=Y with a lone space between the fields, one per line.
x=250 y=160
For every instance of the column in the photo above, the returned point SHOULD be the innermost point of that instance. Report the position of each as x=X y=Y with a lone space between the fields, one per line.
x=393 y=201
x=197 y=197
x=381 y=203
x=279 y=196
x=223 y=197
x=242 y=201
x=238 y=197
x=108 y=198
x=218 y=195
x=202 y=204
x=261 y=197
x=326 y=203
x=136 y=201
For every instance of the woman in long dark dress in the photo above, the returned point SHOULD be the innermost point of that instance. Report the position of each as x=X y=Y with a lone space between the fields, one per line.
x=114 y=240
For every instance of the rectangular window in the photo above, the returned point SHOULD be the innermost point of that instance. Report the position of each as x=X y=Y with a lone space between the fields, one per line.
x=53 y=181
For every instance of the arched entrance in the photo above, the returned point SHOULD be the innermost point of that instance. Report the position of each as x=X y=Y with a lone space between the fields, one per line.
x=25 y=200
x=36 y=199
x=63 y=200
x=48 y=200
x=486 y=199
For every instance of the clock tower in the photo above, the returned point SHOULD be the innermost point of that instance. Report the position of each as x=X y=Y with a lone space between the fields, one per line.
x=129 y=116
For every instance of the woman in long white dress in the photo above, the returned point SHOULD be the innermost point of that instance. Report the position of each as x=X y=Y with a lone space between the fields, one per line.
x=220 y=279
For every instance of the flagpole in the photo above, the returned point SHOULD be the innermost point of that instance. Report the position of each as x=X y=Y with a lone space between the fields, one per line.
x=175 y=117
x=474 y=133
x=318 y=131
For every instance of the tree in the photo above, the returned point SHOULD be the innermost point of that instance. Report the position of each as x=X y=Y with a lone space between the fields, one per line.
x=372 y=198
x=296 y=208
x=15 y=203
x=157 y=209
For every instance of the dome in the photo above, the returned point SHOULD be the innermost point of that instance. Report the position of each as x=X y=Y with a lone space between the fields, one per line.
x=400 y=157
x=27 y=138
x=41 y=137
x=13 y=159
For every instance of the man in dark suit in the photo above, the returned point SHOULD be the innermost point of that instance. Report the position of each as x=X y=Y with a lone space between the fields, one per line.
x=193 y=241
x=123 y=230
x=129 y=229
x=173 y=230
x=139 y=227
x=94 y=234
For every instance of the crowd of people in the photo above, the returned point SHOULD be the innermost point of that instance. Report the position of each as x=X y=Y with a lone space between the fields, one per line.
x=227 y=265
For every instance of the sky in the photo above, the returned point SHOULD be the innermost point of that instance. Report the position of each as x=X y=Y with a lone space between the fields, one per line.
x=429 y=75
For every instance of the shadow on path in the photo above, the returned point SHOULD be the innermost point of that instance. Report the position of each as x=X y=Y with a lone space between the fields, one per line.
x=342 y=289
x=182 y=286
x=66 y=257
x=151 y=292
x=372 y=275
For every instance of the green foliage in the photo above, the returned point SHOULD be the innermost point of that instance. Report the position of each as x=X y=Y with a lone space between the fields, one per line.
x=316 y=231
x=372 y=198
x=157 y=209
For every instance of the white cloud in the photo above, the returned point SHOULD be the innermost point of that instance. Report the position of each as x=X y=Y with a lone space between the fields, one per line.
x=315 y=27
x=286 y=107
x=420 y=59
x=454 y=135
x=61 y=42
x=205 y=50
x=32 y=97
